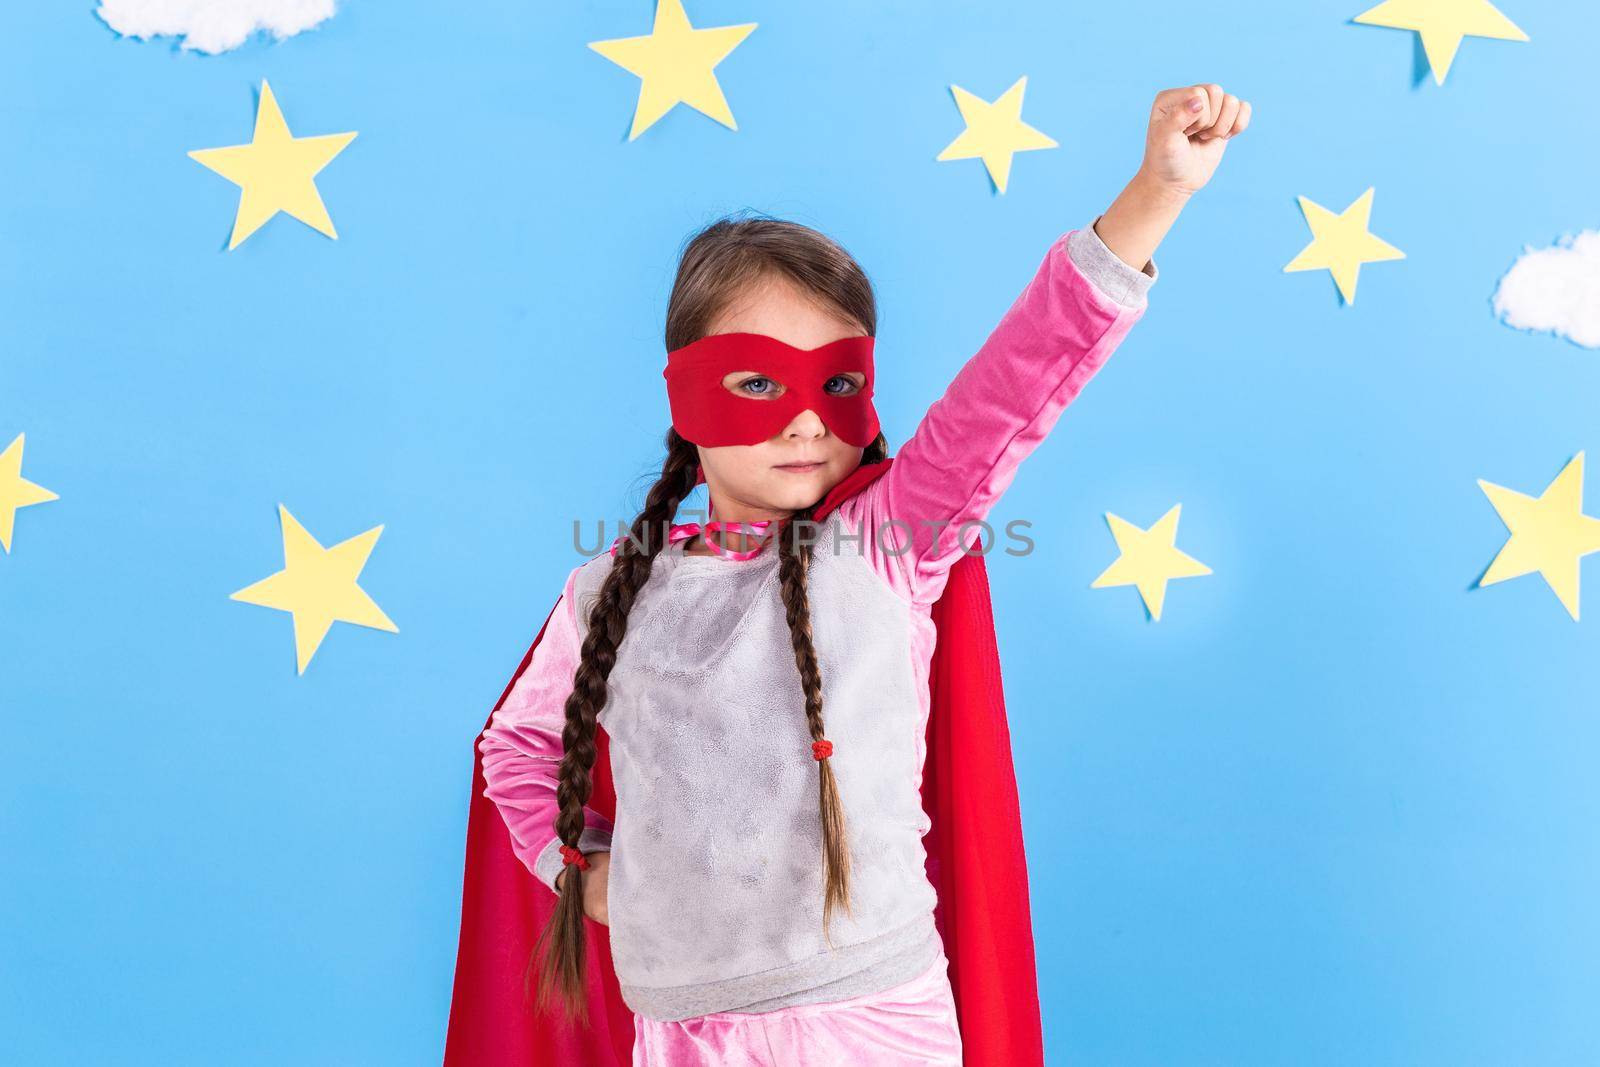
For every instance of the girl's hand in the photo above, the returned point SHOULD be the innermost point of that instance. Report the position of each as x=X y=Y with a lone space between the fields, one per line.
x=1189 y=131
x=595 y=880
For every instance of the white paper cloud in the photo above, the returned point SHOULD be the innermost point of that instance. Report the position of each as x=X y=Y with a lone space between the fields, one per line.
x=213 y=25
x=1556 y=289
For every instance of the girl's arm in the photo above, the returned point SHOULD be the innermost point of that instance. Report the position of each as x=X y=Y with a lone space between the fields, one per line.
x=1085 y=297
x=1063 y=327
x=522 y=749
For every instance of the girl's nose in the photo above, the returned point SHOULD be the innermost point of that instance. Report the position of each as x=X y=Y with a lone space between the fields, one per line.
x=806 y=424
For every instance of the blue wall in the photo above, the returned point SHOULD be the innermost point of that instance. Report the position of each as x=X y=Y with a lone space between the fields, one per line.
x=1336 y=807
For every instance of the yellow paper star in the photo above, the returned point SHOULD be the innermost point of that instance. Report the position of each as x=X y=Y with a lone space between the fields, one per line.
x=1442 y=24
x=15 y=490
x=1149 y=559
x=994 y=131
x=274 y=172
x=1341 y=243
x=318 y=586
x=1549 y=534
x=674 y=63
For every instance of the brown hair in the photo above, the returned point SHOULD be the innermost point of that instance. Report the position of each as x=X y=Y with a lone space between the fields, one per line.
x=720 y=263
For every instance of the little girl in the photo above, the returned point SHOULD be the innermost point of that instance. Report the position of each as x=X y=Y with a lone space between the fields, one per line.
x=764 y=681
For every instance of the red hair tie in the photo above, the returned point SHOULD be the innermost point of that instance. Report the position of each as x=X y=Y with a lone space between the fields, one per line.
x=821 y=750
x=572 y=855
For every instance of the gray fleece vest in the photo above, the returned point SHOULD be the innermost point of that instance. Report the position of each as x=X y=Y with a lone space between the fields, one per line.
x=716 y=884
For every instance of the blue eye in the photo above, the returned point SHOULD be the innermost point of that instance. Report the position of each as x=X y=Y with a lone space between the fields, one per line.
x=759 y=385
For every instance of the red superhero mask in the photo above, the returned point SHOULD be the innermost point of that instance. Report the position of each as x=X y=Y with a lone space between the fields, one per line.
x=709 y=414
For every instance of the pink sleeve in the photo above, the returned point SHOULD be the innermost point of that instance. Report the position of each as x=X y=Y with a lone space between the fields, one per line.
x=522 y=749
x=999 y=407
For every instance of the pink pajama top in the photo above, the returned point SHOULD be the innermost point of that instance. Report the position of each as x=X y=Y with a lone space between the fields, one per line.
x=715 y=891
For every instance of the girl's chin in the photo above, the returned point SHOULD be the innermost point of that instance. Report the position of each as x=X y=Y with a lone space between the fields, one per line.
x=791 y=492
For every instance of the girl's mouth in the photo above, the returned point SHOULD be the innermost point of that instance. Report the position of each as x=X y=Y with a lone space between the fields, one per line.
x=800 y=468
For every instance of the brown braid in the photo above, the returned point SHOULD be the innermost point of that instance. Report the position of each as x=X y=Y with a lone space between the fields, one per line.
x=795 y=549
x=562 y=970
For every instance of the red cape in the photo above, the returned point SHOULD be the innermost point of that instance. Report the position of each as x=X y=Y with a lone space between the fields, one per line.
x=975 y=861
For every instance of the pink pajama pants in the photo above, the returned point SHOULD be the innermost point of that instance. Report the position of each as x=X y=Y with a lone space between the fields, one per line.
x=911 y=1023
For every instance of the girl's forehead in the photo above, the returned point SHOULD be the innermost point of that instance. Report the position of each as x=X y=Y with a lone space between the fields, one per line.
x=778 y=308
